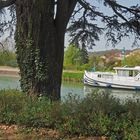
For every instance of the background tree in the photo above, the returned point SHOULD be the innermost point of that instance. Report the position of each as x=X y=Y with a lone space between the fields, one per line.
x=84 y=55
x=94 y=61
x=75 y=57
x=133 y=59
x=72 y=56
x=40 y=30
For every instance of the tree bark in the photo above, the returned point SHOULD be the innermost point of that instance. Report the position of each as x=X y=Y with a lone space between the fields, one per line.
x=40 y=45
x=39 y=48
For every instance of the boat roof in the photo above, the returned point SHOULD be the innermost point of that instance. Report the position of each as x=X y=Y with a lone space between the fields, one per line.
x=110 y=73
x=127 y=68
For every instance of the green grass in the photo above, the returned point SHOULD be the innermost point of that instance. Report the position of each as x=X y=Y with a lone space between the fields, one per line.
x=98 y=114
x=73 y=76
x=8 y=59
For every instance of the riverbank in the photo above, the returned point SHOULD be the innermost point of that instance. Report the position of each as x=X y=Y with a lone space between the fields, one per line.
x=68 y=75
x=9 y=71
x=72 y=76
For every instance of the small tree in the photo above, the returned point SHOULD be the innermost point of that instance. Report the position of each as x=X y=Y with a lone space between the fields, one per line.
x=72 y=54
x=84 y=55
x=94 y=61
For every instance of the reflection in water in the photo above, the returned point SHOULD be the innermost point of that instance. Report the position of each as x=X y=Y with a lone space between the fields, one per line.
x=74 y=88
x=81 y=90
x=9 y=82
x=118 y=93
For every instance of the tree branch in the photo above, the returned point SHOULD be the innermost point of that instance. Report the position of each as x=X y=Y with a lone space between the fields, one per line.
x=114 y=5
x=6 y=3
x=87 y=7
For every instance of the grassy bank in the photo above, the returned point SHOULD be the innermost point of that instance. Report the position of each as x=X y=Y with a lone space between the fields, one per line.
x=98 y=114
x=8 y=59
x=75 y=76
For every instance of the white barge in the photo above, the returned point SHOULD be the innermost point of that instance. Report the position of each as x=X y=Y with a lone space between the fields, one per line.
x=124 y=77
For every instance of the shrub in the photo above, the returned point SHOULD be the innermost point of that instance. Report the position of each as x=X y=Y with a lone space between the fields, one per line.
x=11 y=104
x=98 y=114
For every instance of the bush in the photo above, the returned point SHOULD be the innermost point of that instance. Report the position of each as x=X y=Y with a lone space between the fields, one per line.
x=98 y=114
x=11 y=104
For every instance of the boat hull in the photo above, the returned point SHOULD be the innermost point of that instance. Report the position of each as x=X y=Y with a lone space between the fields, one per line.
x=99 y=82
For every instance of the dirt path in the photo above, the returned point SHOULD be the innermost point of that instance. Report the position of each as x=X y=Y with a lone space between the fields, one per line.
x=9 y=71
x=13 y=132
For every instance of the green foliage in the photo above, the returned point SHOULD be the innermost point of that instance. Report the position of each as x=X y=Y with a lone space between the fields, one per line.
x=8 y=59
x=78 y=59
x=75 y=58
x=11 y=103
x=84 y=67
x=94 y=61
x=73 y=76
x=71 y=55
x=36 y=113
x=98 y=114
x=33 y=67
x=25 y=59
x=84 y=55
x=133 y=60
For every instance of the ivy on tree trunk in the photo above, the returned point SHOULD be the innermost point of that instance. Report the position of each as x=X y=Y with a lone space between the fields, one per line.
x=40 y=47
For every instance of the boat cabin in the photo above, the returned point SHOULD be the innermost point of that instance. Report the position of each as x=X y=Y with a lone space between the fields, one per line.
x=105 y=75
x=127 y=71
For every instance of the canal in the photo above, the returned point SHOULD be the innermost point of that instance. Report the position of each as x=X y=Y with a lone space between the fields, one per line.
x=7 y=82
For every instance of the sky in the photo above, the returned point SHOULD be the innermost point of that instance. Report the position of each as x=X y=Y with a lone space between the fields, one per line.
x=101 y=45
x=126 y=42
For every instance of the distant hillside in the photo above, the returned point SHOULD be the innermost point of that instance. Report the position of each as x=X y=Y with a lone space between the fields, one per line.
x=136 y=50
x=107 y=52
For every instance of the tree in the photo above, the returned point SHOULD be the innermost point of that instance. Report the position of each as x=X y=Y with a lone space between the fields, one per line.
x=72 y=55
x=84 y=55
x=40 y=30
x=75 y=56
x=133 y=59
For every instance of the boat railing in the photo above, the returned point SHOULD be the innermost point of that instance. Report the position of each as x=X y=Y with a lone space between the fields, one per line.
x=137 y=77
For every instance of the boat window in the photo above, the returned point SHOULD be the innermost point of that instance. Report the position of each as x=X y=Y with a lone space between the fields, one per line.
x=99 y=75
x=107 y=76
x=124 y=73
x=127 y=73
x=131 y=73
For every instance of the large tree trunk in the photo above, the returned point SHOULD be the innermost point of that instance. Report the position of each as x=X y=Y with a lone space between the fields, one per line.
x=40 y=48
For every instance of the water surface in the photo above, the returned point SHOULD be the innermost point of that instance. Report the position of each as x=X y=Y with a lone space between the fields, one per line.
x=72 y=88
